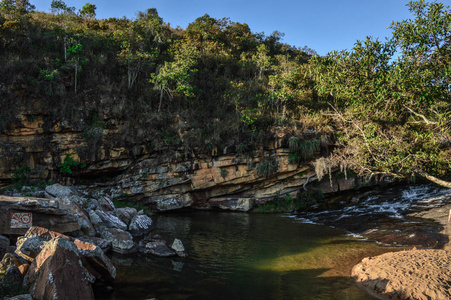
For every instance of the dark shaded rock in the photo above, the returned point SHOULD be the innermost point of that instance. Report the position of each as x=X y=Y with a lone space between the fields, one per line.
x=57 y=273
x=126 y=214
x=13 y=277
x=140 y=225
x=4 y=244
x=95 y=261
x=121 y=241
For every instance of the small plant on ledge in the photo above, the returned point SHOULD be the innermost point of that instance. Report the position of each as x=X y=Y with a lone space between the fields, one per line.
x=69 y=165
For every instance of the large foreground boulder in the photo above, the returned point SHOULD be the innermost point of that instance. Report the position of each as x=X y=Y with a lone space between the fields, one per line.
x=57 y=273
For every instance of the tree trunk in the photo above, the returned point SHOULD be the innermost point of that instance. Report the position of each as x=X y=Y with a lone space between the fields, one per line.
x=434 y=179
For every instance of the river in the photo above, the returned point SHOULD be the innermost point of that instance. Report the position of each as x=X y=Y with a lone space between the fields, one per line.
x=244 y=256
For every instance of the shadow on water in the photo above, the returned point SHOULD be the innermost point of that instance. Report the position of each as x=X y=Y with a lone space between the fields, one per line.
x=243 y=256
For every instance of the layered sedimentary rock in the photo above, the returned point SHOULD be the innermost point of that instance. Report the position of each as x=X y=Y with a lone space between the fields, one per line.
x=153 y=175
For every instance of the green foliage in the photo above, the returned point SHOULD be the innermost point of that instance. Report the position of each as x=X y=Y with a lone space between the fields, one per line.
x=302 y=149
x=267 y=167
x=224 y=173
x=392 y=114
x=21 y=176
x=69 y=165
x=121 y=201
x=88 y=11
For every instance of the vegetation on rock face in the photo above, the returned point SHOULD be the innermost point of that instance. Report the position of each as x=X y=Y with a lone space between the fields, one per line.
x=218 y=85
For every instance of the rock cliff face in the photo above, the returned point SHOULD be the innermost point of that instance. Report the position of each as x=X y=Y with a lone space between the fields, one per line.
x=153 y=175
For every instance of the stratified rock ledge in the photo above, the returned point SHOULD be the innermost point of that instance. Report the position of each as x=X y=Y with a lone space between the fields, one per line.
x=411 y=274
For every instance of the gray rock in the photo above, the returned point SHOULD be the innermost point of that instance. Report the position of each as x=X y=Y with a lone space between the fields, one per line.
x=121 y=241
x=106 y=204
x=140 y=225
x=126 y=214
x=57 y=191
x=73 y=205
x=95 y=261
x=110 y=220
x=40 y=212
x=178 y=247
x=235 y=204
x=159 y=248
x=29 y=247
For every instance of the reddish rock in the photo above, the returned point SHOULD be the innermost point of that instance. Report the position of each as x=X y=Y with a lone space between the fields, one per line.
x=24 y=269
x=57 y=273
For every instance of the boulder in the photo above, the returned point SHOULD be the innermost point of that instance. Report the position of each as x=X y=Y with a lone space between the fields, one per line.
x=97 y=222
x=235 y=204
x=178 y=247
x=121 y=241
x=58 y=191
x=105 y=245
x=126 y=214
x=95 y=261
x=110 y=220
x=140 y=225
x=57 y=273
x=13 y=277
x=18 y=214
x=29 y=246
x=73 y=206
x=106 y=204
x=158 y=247
x=4 y=244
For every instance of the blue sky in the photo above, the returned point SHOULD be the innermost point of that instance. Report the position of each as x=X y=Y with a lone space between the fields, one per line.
x=323 y=25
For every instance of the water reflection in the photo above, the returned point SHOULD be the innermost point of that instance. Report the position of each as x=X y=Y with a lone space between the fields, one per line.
x=244 y=256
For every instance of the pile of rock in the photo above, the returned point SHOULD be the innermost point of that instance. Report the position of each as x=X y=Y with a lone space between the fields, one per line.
x=56 y=265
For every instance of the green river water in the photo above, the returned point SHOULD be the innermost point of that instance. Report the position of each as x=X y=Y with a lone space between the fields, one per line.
x=244 y=256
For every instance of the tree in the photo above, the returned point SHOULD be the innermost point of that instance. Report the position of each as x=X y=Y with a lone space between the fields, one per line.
x=60 y=7
x=76 y=60
x=175 y=76
x=392 y=115
x=16 y=7
x=88 y=11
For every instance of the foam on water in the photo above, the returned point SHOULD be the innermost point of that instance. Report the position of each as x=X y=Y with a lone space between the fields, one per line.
x=394 y=203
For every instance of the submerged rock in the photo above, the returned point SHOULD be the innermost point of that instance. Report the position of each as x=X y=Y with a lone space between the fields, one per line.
x=158 y=247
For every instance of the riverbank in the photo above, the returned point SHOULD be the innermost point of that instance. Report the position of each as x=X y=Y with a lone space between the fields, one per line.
x=410 y=274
